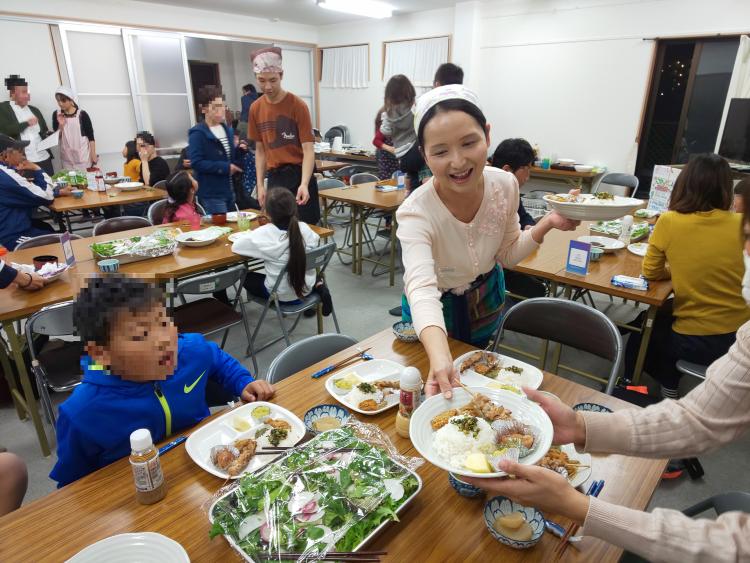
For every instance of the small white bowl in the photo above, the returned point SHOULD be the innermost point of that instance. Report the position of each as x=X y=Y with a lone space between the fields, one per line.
x=566 y=161
x=582 y=168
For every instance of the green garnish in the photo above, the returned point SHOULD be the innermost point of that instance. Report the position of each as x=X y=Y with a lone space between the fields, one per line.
x=467 y=425
x=514 y=369
x=366 y=388
x=277 y=435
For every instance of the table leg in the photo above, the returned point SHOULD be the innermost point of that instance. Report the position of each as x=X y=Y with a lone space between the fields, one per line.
x=567 y=292
x=361 y=238
x=648 y=326
x=23 y=375
x=353 y=229
x=394 y=226
x=67 y=221
x=325 y=212
x=11 y=381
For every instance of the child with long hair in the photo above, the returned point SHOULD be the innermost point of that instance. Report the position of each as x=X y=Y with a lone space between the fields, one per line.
x=385 y=154
x=132 y=167
x=181 y=188
x=282 y=243
x=398 y=124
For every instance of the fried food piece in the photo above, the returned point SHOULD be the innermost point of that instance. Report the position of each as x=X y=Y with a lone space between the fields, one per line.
x=557 y=460
x=526 y=440
x=223 y=458
x=442 y=419
x=247 y=451
x=483 y=368
x=278 y=423
x=489 y=410
x=470 y=410
x=383 y=384
x=368 y=405
x=470 y=361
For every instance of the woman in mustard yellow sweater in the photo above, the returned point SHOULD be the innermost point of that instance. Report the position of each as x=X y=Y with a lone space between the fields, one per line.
x=698 y=244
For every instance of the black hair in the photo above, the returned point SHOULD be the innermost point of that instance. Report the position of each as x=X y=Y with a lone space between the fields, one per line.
x=146 y=137
x=131 y=151
x=178 y=187
x=282 y=210
x=207 y=94
x=515 y=153
x=448 y=73
x=249 y=88
x=451 y=105
x=14 y=80
x=399 y=90
x=103 y=298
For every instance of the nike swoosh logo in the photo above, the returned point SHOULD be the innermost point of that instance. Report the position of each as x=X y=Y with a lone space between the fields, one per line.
x=189 y=388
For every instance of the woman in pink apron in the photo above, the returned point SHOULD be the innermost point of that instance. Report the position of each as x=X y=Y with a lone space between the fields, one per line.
x=77 y=144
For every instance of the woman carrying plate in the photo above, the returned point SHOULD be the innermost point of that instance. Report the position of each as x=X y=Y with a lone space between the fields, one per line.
x=456 y=230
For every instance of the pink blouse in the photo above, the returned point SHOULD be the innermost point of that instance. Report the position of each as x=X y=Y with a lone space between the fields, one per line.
x=185 y=212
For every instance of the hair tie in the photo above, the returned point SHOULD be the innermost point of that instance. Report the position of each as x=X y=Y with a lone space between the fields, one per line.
x=170 y=199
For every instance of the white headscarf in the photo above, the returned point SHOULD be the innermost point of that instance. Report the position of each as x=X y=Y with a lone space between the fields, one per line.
x=440 y=94
x=267 y=59
x=68 y=93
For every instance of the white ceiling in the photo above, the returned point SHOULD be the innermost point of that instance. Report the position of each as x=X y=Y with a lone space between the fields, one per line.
x=299 y=11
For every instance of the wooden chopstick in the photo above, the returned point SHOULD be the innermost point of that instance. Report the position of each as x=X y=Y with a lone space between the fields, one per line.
x=332 y=555
x=469 y=391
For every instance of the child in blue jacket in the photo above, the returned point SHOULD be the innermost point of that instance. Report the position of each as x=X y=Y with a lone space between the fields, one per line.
x=138 y=373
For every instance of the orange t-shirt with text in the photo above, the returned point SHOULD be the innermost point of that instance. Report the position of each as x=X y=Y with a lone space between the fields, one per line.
x=282 y=128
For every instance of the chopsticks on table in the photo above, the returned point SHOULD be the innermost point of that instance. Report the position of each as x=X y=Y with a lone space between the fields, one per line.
x=340 y=363
x=330 y=556
x=594 y=489
x=171 y=445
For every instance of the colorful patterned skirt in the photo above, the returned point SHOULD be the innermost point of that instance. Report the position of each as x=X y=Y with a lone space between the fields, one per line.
x=474 y=316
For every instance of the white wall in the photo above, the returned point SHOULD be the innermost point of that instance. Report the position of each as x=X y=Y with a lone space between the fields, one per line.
x=572 y=75
x=356 y=108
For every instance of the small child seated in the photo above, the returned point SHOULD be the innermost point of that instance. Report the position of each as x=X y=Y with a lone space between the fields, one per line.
x=138 y=373
x=181 y=188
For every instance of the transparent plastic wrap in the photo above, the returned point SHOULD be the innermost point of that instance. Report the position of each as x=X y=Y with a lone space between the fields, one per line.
x=158 y=243
x=331 y=494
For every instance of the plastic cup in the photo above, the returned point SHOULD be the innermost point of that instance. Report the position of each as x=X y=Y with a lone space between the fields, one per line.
x=40 y=261
x=243 y=222
x=219 y=219
x=545 y=164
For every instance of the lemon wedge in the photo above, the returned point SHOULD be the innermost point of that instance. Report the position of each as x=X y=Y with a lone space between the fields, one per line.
x=240 y=424
x=477 y=463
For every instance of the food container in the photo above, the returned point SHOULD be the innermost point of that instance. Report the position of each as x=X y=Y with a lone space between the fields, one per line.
x=463 y=488
x=109 y=266
x=135 y=249
x=40 y=261
x=501 y=506
x=595 y=254
x=320 y=411
x=77 y=194
x=405 y=332
x=219 y=219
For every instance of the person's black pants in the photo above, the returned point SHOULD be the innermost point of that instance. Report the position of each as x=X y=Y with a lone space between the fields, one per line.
x=523 y=284
x=666 y=347
x=289 y=176
x=411 y=163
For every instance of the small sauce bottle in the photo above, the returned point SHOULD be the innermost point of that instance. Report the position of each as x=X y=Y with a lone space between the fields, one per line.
x=150 y=486
x=627 y=227
x=410 y=398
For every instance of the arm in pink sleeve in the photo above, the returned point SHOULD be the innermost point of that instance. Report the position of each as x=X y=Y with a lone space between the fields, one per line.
x=516 y=244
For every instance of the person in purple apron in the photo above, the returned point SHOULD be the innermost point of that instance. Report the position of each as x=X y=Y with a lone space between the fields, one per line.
x=77 y=143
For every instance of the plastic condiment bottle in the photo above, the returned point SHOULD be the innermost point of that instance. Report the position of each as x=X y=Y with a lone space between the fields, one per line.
x=409 y=399
x=627 y=227
x=150 y=486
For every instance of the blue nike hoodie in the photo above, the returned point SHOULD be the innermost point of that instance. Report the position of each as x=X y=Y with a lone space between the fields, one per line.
x=94 y=424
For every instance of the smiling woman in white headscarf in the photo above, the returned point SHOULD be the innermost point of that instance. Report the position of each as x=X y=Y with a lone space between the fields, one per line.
x=77 y=144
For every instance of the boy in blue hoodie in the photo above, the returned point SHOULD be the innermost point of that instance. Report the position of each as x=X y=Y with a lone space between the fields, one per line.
x=138 y=373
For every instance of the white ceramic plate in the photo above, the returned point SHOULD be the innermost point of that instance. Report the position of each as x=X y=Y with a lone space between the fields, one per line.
x=232 y=216
x=368 y=372
x=221 y=432
x=422 y=435
x=530 y=377
x=198 y=238
x=591 y=209
x=129 y=186
x=583 y=474
x=607 y=244
x=583 y=168
x=638 y=248
x=144 y=547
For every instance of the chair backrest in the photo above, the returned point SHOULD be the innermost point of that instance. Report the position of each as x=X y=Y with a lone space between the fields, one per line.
x=734 y=501
x=212 y=281
x=328 y=183
x=161 y=184
x=362 y=178
x=155 y=212
x=627 y=181
x=569 y=323
x=351 y=170
x=55 y=320
x=317 y=258
x=43 y=240
x=117 y=224
x=305 y=353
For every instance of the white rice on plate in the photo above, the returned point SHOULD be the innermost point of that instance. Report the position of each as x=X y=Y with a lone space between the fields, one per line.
x=453 y=445
x=356 y=397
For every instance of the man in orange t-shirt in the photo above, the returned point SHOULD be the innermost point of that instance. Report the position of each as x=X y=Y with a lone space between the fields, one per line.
x=280 y=125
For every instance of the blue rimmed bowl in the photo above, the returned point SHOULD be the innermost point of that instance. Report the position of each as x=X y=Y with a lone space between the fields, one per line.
x=502 y=506
x=463 y=488
x=405 y=332
x=319 y=411
x=591 y=407
x=109 y=266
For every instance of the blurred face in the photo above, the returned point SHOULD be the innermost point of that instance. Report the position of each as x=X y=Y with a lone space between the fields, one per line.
x=20 y=95
x=142 y=345
x=65 y=104
x=270 y=83
x=455 y=149
x=522 y=174
x=143 y=146
x=13 y=157
x=215 y=111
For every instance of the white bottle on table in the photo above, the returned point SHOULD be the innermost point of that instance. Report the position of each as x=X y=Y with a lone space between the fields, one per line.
x=627 y=228
x=410 y=397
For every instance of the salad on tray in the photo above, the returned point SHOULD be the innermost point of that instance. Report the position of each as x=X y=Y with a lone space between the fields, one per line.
x=159 y=243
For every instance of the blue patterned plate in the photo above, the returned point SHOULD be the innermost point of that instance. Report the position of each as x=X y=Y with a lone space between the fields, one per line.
x=502 y=506
x=591 y=407
x=463 y=488
x=319 y=411
x=405 y=332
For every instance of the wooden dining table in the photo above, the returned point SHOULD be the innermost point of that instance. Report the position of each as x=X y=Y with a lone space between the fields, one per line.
x=439 y=525
x=328 y=165
x=16 y=304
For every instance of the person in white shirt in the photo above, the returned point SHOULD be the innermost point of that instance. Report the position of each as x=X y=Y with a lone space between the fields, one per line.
x=25 y=122
x=282 y=243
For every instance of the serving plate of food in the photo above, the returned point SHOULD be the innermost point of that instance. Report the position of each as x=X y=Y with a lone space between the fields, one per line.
x=470 y=433
x=203 y=237
x=638 y=248
x=574 y=466
x=607 y=244
x=592 y=207
x=482 y=368
x=129 y=186
x=234 y=443
x=612 y=229
x=332 y=494
x=50 y=271
x=132 y=249
x=232 y=216
x=368 y=388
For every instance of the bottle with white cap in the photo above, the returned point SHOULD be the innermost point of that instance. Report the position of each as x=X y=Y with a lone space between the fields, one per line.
x=150 y=486
x=410 y=397
x=627 y=227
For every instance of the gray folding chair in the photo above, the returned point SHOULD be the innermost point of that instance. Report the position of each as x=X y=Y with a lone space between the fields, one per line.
x=155 y=212
x=735 y=501
x=43 y=240
x=57 y=365
x=305 y=353
x=626 y=181
x=570 y=324
x=689 y=368
x=362 y=178
x=209 y=315
x=118 y=224
x=317 y=258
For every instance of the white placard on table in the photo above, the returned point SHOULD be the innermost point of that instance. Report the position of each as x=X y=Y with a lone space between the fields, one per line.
x=49 y=142
x=662 y=183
